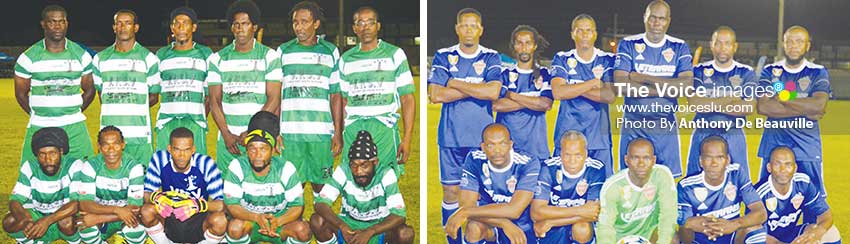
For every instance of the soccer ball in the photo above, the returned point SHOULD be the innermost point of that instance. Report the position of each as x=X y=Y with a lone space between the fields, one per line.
x=633 y=239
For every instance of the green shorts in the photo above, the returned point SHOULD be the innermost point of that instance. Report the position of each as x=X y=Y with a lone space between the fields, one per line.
x=256 y=237
x=163 y=134
x=50 y=235
x=386 y=138
x=313 y=160
x=79 y=142
x=142 y=153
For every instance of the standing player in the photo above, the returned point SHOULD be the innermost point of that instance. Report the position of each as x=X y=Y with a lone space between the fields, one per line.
x=311 y=109
x=566 y=202
x=811 y=86
x=262 y=192
x=654 y=59
x=787 y=194
x=529 y=96
x=582 y=81
x=126 y=76
x=243 y=79
x=364 y=216
x=710 y=201
x=109 y=188
x=40 y=206
x=637 y=203
x=48 y=79
x=497 y=186
x=193 y=179
x=722 y=77
x=465 y=78
x=375 y=81
x=183 y=69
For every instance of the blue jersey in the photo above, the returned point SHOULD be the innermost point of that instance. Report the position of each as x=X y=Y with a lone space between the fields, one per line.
x=560 y=188
x=202 y=181
x=666 y=59
x=808 y=79
x=580 y=113
x=783 y=211
x=527 y=127
x=462 y=121
x=739 y=79
x=499 y=185
x=698 y=198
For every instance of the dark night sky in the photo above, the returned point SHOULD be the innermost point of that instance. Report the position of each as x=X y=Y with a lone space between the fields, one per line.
x=752 y=19
x=91 y=20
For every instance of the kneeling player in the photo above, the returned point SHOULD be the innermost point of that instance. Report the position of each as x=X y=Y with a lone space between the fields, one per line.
x=372 y=207
x=40 y=209
x=110 y=188
x=786 y=194
x=497 y=186
x=566 y=201
x=183 y=194
x=262 y=192
x=710 y=202
x=638 y=202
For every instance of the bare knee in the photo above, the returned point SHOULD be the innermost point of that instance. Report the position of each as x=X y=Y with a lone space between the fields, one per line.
x=216 y=223
x=149 y=215
x=582 y=232
x=405 y=234
x=450 y=193
x=66 y=226
x=11 y=225
x=299 y=230
x=474 y=231
x=237 y=228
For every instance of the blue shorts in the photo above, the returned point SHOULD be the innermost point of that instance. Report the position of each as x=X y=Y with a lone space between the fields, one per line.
x=666 y=147
x=561 y=234
x=501 y=238
x=603 y=155
x=737 y=145
x=451 y=163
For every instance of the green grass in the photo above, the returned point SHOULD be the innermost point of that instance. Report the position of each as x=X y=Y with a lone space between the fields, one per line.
x=13 y=125
x=836 y=139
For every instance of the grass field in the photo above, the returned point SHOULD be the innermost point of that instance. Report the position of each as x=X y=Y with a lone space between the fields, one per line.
x=836 y=139
x=13 y=125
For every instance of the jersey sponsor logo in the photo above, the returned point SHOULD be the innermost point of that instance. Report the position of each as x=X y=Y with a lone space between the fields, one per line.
x=638 y=214
x=783 y=221
x=797 y=200
x=728 y=212
x=640 y=47
x=777 y=72
x=511 y=184
x=479 y=67
x=656 y=70
x=770 y=204
x=668 y=54
x=598 y=71
x=556 y=201
x=581 y=187
x=731 y=191
x=708 y=72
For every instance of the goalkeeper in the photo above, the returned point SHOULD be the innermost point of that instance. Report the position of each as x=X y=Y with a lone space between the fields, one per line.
x=183 y=194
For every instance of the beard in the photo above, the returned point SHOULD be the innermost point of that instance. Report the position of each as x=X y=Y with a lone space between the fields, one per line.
x=524 y=57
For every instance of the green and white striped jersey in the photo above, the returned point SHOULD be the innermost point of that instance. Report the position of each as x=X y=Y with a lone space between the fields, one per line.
x=273 y=193
x=364 y=206
x=55 y=97
x=125 y=80
x=41 y=192
x=184 y=87
x=242 y=77
x=373 y=82
x=93 y=181
x=305 y=92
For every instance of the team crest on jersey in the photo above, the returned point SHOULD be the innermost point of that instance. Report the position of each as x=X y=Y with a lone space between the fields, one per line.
x=511 y=184
x=559 y=177
x=453 y=61
x=597 y=71
x=479 y=67
x=770 y=204
x=581 y=187
x=485 y=171
x=736 y=80
x=640 y=47
x=777 y=72
x=649 y=191
x=730 y=191
x=804 y=85
x=797 y=200
x=668 y=54
x=701 y=193
x=708 y=72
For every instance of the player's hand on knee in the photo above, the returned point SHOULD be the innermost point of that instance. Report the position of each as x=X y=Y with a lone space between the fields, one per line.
x=541 y=227
x=37 y=229
x=363 y=236
x=347 y=232
x=515 y=234
x=456 y=220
